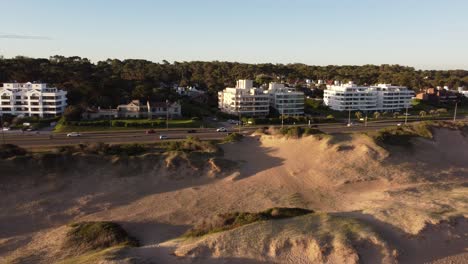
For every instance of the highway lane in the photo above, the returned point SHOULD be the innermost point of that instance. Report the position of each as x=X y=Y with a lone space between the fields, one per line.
x=43 y=139
x=31 y=139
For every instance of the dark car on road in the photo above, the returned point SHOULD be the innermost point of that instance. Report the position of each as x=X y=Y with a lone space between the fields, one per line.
x=191 y=131
x=150 y=131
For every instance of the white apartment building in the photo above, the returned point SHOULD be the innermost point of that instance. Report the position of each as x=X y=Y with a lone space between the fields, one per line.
x=392 y=98
x=285 y=100
x=244 y=100
x=32 y=99
x=383 y=97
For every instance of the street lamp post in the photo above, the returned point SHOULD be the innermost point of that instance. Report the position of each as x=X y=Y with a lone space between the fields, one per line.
x=282 y=116
x=406 y=115
x=110 y=116
x=3 y=132
x=167 y=115
x=455 y=112
x=239 y=124
x=349 y=117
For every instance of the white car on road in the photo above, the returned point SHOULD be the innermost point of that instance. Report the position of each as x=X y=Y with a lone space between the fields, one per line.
x=221 y=129
x=74 y=134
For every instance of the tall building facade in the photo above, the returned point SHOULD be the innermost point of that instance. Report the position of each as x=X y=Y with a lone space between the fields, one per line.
x=285 y=100
x=244 y=99
x=382 y=97
x=32 y=99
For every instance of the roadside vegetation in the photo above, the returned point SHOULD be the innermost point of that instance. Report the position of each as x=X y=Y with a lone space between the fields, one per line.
x=124 y=124
x=227 y=221
x=402 y=135
x=10 y=150
x=233 y=137
x=105 y=149
x=193 y=144
x=290 y=131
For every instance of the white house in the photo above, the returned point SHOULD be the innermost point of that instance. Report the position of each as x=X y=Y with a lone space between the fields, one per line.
x=382 y=97
x=32 y=99
x=244 y=99
x=286 y=100
x=462 y=91
x=136 y=109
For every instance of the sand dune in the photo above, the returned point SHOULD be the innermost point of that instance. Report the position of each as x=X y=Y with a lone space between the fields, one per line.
x=408 y=199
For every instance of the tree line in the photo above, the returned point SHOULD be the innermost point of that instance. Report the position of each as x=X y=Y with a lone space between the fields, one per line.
x=111 y=82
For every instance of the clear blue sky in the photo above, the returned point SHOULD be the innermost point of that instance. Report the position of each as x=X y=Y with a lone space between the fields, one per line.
x=427 y=34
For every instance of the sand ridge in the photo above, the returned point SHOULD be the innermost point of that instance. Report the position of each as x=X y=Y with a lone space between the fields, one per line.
x=405 y=190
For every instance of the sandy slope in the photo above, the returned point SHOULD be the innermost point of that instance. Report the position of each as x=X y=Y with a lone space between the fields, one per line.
x=394 y=191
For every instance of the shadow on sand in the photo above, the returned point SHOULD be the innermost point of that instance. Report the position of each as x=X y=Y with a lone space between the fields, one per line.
x=432 y=243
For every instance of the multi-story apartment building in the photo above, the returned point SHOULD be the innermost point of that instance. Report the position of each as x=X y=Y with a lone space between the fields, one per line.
x=392 y=98
x=32 y=99
x=244 y=100
x=382 y=97
x=344 y=97
x=286 y=100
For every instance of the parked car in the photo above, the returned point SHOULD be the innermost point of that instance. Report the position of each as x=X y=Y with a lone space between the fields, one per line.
x=399 y=124
x=191 y=131
x=221 y=129
x=150 y=131
x=6 y=129
x=162 y=137
x=74 y=134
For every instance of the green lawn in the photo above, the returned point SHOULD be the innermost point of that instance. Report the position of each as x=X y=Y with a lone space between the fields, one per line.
x=127 y=124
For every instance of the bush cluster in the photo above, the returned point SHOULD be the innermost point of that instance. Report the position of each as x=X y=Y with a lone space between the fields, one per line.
x=10 y=150
x=233 y=137
x=297 y=132
x=233 y=220
x=86 y=236
x=192 y=144
x=402 y=135
x=105 y=149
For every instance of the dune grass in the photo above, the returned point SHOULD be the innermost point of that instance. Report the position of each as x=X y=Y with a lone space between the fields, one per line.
x=89 y=236
x=227 y=221
x=402 y=135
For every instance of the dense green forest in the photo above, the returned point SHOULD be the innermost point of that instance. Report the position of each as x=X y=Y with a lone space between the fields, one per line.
x=110 y=82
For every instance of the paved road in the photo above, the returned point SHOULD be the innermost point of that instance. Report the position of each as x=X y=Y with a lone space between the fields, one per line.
x=31 y=139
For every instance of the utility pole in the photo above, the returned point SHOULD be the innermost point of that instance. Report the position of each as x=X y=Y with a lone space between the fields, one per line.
x=455 y=112
x=365 y=121
x=406 y=115
x=167 y=115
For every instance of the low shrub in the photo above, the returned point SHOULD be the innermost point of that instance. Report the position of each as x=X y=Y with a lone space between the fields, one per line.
x=402 y=135
x=193 y=144
x=105 y=149
x=233 y=137
x=10 y=150
x=86 y=236
x=223 y=222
